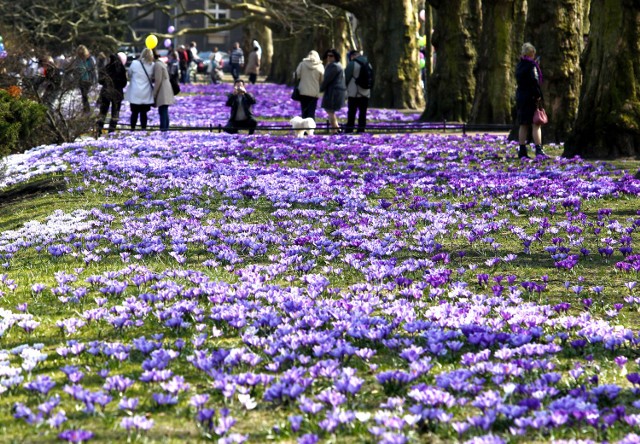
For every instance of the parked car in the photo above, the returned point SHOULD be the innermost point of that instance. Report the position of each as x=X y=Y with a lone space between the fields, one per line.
x=132 y=53
x=204 y=61
x=163 y=55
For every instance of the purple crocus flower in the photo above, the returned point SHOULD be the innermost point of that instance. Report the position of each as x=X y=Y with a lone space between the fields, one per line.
x=76 y=435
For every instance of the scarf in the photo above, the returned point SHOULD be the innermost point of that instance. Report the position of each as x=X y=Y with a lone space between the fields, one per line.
x=537 y=66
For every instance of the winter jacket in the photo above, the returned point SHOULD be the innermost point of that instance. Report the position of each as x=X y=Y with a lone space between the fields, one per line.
x=351 y=73
x=334 y=87
x=310 y=73
x=162 y=90
x=253 y=63
x=113 y=79
x=234 y=100
x=140 y=90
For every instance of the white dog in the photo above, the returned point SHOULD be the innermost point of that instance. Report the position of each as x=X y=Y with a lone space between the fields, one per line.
x=301 y=126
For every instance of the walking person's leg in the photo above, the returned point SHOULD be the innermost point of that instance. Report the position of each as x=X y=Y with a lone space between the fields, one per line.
x=163 y=112
x=115 y=114
x=352 y=107
x=363 y=105
x=135 y=111
x=144 y=110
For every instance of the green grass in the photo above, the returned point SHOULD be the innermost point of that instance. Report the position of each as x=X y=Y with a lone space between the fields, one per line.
x=177 y=424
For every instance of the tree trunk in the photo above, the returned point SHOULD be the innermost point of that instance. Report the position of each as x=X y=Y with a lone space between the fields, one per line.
x=390 y=39
x=559 y=53
x=608 y=122
x=500 y=42
x=427 y=29
x=292 y=49
x=455 y=38
x=389 y=30
x=260 y=32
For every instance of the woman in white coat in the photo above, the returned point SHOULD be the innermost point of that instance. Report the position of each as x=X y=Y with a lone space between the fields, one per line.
x=162 y=92
x=140 y=90
x=310 y=73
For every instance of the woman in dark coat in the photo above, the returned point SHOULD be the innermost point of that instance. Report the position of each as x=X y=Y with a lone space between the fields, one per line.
x=528 y=94
x=113 y=78
x=334 y=88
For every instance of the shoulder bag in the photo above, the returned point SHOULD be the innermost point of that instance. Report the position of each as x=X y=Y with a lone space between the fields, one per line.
x=540 y=115
x=295 y=94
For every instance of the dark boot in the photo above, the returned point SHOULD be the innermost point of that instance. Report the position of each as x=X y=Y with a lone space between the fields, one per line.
x=539 y=151
x=522 y=152
x=98 y=130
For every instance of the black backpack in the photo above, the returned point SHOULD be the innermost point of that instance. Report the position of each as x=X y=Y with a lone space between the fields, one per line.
x=365 y=79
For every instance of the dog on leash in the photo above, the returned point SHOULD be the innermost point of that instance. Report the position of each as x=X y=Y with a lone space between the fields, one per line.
x=303 y=126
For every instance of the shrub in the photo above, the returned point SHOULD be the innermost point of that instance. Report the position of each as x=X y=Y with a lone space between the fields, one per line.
x=20 y=121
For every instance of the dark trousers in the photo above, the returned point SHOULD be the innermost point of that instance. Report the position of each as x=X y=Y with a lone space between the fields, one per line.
x=308 y=106
x=253 y=78
x=163 y=111
x=235 y=71
x=84 y=92
x=105 y=104
x=359 y=105
x=184 y=73
x=233 y=126
x=141 y=110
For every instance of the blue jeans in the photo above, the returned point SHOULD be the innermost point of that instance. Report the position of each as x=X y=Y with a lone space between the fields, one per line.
x=163 y=111
x=235 y=71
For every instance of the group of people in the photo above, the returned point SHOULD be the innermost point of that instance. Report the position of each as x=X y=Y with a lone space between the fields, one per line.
x=337 y=85
x=150 y=84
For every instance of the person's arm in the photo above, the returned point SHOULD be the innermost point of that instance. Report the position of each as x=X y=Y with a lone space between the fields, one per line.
x=349 y=71
x=231 y=98
x=250 y=99
x=329 y=76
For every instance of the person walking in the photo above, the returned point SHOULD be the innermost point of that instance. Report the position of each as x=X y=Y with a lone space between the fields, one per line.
x=358 y=77
x=528 y=96
x=241 y=116
x=162 y=92
x=84 y=67
x=253 y=65
x=236 y=61
x=310 y=72
x=215 y=66
x=183 y=57
x=334 y=88
x=113 y=79
x=140 y=91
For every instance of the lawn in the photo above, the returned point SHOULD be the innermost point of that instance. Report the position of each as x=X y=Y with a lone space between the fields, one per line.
x=188 y=287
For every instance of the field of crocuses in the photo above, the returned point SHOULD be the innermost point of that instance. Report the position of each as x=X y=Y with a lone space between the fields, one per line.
x=189 y=287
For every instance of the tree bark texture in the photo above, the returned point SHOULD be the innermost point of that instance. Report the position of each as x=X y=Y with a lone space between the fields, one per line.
x=498 y=52
x=427 y=29
x=389 y=31
x=260 y=32
x=455 y=38
x=390 y=36
x=608 y=122
x=555 y=28
x=290 y=50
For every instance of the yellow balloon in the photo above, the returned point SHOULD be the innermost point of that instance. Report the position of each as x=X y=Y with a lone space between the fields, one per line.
x=422 y=41
x=151 y=41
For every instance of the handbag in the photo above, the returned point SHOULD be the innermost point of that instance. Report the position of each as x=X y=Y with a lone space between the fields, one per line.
x=295 y=94
x=540 y=115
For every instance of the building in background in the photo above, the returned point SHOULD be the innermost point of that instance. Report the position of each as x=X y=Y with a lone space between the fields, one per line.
x=159 y=23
